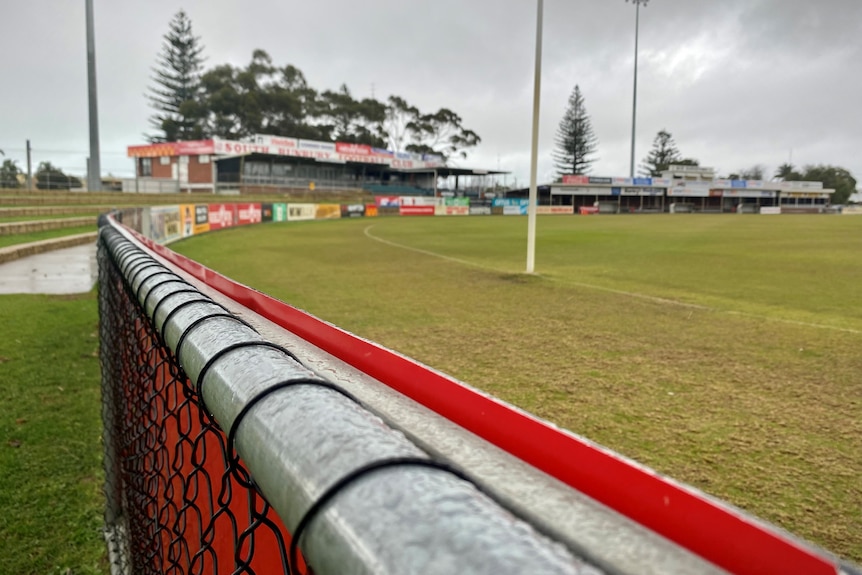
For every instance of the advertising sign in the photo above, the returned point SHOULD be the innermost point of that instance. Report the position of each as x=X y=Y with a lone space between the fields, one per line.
x=165 y=225
x=387 y=201
x=738 y=184
x=588 y=210
x=221 y=216
x=770 y=210
x=315 y=145
x=190 y=148
x=465 y=202
x=298 y=212
x=187 y=217
x=604 y=181
x=693 y=189
x=739 y=193
x=621 y=181
x=416 y=210
x=276 y=141
x=502 y=202
x=417 y=201
x=370 y=210
x=575 y=179
x=266 y=212
x=248 y=214
x=202 y=220
x=279 y=212
x=352 y=149
x=353 y=210
x=453 y=210
x=480 y=210
x=555 y=210
x=327 y=212
x=585 y=191
x=641 y=181
x=515 y=210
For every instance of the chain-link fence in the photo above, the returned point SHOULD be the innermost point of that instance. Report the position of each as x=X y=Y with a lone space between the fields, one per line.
x=220 y=444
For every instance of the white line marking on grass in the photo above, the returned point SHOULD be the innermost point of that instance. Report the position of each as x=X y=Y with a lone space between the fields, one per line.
x=651 y=298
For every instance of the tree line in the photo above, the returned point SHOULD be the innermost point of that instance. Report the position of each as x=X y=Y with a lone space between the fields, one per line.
x=576 y=144
x=231 y=102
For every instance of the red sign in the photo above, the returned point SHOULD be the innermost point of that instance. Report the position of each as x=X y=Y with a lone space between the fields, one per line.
x=353 y=149
x=416 y=210
x=387 y=201
x=587 y=210
x=248 y=214
x=222 y=216
x=192 y=148
x=573 y=179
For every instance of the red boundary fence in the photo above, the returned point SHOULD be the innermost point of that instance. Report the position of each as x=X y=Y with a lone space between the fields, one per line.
x=711 y=529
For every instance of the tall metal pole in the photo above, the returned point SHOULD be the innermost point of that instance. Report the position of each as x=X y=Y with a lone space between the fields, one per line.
x=637 y=4
x=94 y=168
x=537 y=86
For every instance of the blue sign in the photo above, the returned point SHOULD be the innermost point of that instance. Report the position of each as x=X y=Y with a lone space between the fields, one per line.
x=615 y=191
x=738 y=184
x=642 y=181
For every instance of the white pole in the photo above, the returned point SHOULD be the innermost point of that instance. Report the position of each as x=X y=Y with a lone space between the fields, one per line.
x=537 y=84
x=635 y=96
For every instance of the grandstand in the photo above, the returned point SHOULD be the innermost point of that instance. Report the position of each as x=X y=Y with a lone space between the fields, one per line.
x=267 y=163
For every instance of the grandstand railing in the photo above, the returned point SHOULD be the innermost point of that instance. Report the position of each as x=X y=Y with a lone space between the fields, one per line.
x=234 y=445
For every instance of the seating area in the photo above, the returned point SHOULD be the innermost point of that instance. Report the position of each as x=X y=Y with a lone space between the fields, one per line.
x=397 y=190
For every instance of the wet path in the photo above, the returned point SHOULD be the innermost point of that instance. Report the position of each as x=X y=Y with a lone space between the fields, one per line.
x=63 y=271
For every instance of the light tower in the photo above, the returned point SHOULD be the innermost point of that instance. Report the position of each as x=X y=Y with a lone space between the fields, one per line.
x=637 y=4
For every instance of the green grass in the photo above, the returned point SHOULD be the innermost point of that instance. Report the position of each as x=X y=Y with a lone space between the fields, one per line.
x=16 y=239
x=13 y=219
x=50 y=424
x=755 y=396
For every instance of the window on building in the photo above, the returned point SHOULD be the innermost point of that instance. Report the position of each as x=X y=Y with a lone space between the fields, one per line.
x=165 y=161
x=203 y=159
x=146 y=167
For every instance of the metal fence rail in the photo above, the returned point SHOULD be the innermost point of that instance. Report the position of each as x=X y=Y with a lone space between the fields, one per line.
x=219 y=444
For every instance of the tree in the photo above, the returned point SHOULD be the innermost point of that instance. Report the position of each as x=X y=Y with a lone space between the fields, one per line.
x=833 y=178
x=175 y=95
x=753 y=173
x=787 y=173
x=664 y=153
x=354 y=121
x=49 y=177
x=400 y=118
x=9 y=173
x=575 y=142
x=441 y=133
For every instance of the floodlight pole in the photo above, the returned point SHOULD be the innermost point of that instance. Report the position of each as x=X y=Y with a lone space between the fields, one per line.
x=537 y=86
x=637 y=4
x=94 y=168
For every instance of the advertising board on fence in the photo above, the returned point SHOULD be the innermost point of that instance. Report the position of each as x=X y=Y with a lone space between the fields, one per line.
x=165 y=225
x=412 y=210
x=515 y=210
x=352 y=210
x=453 y=207
x=327 y=212
x=299 y=212
x=202 y=220
x=555 y=210
x=370 y=210
x=221 y=216
x=770 y=210
x=387 y=201
x=187 y=218
x=134 y=218
x=266 y=212
x=248 y=214
x=279 y=212
x=480 y=210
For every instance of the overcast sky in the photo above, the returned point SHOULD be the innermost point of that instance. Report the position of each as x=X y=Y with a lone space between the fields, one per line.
x=737 y=82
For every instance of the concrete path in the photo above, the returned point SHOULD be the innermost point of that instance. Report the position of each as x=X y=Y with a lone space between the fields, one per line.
x=64 y=271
